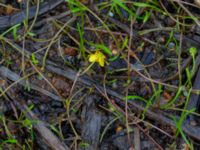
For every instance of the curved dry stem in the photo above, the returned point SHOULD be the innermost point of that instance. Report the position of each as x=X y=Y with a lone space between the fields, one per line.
x=53 y=39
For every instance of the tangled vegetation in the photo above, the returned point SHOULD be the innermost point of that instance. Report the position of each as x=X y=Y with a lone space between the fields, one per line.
x=99 y=74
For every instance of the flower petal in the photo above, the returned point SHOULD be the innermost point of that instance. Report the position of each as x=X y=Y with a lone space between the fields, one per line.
x=98 y=57
x=93 y=58
x=101 y=61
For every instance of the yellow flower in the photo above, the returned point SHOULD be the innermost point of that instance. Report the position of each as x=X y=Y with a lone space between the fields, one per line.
x=98 y=57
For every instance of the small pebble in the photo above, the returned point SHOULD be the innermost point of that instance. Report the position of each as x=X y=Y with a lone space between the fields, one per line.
x=56 y=104
x=42 y=108
x=29 y=102
x=193 y=123
x=114 y=85
x=110 y=14
x=50 y=75
x=171 y=45
x=197 y=2
x=114 y=52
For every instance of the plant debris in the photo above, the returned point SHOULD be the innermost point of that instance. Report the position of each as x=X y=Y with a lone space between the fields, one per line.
x=96 y=74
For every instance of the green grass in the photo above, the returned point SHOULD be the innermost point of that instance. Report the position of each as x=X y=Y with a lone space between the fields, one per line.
x=20 y=123
x=81 y=46
x=149 y=10
x=172 y=101
x=181 y=121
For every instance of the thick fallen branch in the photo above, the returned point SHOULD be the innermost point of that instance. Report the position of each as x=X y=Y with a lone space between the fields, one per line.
x=46 y=135
x=49 y=138
x=8 y=21
x=194 y=98
x=7 y=73
x=71 y=74
x=134 y=33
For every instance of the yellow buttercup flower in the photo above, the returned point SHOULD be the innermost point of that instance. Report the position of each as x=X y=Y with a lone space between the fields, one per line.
x=98 y=57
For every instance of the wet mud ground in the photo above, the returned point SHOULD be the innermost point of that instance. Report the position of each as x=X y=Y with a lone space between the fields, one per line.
x=47 y=103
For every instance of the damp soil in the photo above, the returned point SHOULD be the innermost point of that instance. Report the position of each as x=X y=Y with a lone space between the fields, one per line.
x=41 y=74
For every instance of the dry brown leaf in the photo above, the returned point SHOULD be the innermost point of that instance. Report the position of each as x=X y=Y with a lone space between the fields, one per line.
x=167 y=96
x=84 y=1
x=70 y=51
x=118 y=129
x=9 y=9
